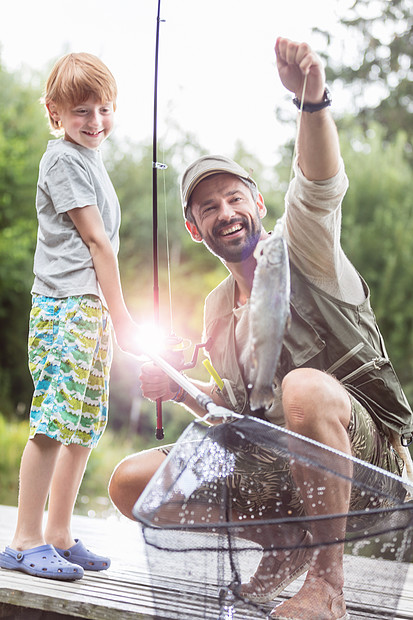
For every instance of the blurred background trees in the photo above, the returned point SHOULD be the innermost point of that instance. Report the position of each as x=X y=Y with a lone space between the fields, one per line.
x=381 y=36
x=23 y=135
x=375 y=137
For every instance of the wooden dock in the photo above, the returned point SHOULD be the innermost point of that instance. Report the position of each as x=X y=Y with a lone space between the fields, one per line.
x=125 y=590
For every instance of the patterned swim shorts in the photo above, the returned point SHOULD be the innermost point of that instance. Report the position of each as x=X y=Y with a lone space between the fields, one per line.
x=70 y=354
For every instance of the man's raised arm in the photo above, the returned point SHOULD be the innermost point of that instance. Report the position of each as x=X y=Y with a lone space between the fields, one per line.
x=318 y=145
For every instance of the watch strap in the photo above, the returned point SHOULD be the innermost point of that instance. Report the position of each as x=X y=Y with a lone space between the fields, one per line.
x=314 y=107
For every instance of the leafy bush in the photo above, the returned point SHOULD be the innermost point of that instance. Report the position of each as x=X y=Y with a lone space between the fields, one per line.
x=13 y=437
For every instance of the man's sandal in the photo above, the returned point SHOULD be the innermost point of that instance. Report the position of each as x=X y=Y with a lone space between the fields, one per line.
x=41 y=561
x=78 y=554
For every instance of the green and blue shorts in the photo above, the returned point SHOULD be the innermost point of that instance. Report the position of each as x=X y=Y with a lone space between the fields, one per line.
x=70 y=354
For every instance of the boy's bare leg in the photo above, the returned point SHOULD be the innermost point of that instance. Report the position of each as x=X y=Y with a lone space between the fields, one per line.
x=68 y=475
x=36 y=471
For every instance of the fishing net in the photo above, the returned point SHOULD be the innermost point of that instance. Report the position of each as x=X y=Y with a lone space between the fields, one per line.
x=247 y=498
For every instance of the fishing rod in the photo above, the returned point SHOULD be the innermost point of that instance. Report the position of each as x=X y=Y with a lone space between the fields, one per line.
x=174 y=344
x=155 y=166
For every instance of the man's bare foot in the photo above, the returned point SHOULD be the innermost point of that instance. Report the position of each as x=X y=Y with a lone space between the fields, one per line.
x=276 y=571
x=317 y=599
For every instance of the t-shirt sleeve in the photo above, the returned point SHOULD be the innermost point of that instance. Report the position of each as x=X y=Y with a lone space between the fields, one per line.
x=69 y=184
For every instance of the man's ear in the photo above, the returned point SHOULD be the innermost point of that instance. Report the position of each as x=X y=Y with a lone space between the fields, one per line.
x=193 y=231
x=262 y=209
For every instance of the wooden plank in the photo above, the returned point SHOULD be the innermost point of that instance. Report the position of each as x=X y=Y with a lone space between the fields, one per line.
x=405 y=605
x=85 y=600
x=126 y=589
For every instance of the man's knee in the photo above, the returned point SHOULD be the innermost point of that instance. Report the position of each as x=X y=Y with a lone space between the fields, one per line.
x=130 y=477
x=121 y=486
x=310 y=394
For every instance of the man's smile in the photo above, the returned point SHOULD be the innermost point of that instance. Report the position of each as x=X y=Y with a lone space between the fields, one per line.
x=231 y=230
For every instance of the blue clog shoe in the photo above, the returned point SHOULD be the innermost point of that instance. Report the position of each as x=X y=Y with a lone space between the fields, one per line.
x=78 y=554
x=42 y=561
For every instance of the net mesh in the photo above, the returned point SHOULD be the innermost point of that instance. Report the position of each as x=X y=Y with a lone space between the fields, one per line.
x=239 y=510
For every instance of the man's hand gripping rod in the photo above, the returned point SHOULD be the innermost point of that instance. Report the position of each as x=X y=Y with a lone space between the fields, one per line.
x=204 y=401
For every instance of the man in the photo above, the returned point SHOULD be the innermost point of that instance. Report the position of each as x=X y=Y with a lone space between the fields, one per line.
x=332 y=326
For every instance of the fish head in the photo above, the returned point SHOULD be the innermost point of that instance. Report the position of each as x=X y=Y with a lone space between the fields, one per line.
x=272 y=250
x=259 y=249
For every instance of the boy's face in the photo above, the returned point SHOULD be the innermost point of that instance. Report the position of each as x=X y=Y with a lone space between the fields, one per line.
x=87 y=124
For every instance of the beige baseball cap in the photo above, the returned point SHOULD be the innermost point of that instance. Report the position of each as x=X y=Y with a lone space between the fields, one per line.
x=204 y=167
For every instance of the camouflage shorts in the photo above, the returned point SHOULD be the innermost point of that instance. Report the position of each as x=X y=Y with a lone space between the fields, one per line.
x=368 y=443
x=262 y=483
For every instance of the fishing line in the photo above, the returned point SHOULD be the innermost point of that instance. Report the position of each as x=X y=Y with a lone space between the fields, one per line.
x=300 y=114
x=168 y=254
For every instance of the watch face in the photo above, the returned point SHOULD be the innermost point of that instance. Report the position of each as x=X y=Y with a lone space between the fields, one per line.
x=327 y=95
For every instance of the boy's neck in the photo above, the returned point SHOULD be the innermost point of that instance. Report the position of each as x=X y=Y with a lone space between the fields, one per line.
x=69 y=139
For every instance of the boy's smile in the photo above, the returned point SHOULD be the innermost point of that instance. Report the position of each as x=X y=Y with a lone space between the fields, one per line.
x=87 y=124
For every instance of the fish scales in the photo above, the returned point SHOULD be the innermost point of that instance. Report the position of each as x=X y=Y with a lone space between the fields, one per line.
x=269 y=316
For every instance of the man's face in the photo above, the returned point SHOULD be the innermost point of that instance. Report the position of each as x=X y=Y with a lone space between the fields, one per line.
x=226 y=217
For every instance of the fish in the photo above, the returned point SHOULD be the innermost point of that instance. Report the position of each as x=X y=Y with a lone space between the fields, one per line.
x=269 y=315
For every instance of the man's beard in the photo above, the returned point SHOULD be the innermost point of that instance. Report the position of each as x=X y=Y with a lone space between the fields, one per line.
x=240 y=248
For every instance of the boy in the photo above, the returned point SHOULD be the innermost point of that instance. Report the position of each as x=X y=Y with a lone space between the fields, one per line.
x=76 y=296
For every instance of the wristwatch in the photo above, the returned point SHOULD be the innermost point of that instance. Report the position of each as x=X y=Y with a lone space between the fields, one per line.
x=315 y=107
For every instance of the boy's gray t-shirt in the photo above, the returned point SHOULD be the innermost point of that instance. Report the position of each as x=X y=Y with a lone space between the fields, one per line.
x=70 y=176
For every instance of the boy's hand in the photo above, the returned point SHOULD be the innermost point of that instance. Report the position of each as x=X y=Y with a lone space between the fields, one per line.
x=127 y=336
x=294 y=61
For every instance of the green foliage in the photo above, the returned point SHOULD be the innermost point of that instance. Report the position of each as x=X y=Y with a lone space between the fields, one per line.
x=382 y=33
x=23 y=135
x=13 y=437
x=378 y=233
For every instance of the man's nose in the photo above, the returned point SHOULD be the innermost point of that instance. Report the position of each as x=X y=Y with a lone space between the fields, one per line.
x=226 y=211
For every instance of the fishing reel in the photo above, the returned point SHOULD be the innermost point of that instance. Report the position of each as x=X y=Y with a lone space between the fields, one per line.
x=173 y=352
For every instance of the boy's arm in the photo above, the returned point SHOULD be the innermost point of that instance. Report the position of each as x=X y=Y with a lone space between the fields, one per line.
x=89 y=224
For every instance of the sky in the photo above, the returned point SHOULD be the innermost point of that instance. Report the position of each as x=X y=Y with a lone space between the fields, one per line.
x=217 y=75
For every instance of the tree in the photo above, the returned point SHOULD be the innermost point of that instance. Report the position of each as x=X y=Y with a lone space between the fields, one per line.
x=382 y=34
x=23 y=135
x=378 y=232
